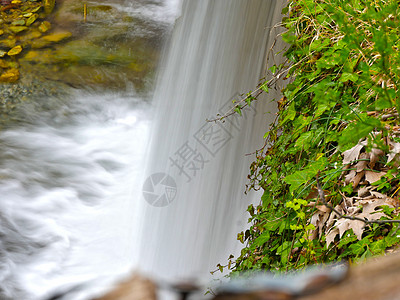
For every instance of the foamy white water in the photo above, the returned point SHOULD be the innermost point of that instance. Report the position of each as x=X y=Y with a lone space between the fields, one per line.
x=67 y=213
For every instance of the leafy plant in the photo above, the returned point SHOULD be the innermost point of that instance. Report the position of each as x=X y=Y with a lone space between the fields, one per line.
x=329 y=169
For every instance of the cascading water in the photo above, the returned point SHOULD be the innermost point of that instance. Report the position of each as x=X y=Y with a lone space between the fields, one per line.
x=196 y=171
x=74 y=211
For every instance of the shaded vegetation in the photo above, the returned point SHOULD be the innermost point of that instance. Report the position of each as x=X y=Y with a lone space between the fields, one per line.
x=329 y=169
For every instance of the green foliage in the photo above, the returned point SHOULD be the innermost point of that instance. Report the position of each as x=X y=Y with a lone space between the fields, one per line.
x=343 y=61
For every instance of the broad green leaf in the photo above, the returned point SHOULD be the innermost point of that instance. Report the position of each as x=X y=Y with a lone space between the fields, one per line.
x=303 y=140
x=290 y=114
x=358 y=130
x=349 y=76
x=301 y=177
x=262 y=239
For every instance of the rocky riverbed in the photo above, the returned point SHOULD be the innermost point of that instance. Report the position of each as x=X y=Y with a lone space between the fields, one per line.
x=48 y=47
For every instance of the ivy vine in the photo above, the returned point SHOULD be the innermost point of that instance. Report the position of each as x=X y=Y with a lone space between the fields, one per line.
x=337 y=134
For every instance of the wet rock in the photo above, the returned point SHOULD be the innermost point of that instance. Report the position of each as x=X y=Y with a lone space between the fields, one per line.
x=134 y=288
x=10 y=75
x=44 y=26
x=57 y=36
x=8 y=43
x=15 y=50
x=31 y=18
x=106 y=51
x=17 y=29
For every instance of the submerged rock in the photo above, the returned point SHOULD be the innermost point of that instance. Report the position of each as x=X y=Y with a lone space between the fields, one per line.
x=15 y=50
x=44 y=26
x=10 y=75
x=108 y=48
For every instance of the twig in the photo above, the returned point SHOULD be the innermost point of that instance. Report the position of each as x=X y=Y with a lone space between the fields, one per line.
x=321 y=195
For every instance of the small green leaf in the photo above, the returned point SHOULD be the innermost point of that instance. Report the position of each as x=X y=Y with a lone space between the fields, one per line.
x=264 y=87
x=303 y=142
x=262 y=239
x=238 y=110
x=348 y=76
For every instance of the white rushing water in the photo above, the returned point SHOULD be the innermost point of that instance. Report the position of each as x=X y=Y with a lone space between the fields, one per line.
x=72 y=210
x=197 y=170
x=67 y=214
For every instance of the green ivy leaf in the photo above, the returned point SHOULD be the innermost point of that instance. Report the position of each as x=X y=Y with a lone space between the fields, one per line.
x=358 y=130
x=348 y=76
x=303 y=142
x=262 y=239
x=301 y=177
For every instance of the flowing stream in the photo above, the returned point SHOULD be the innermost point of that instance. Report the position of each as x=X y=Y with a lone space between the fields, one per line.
x=93 y=186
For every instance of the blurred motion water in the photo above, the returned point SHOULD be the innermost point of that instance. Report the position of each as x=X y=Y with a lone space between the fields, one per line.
x=217 y=52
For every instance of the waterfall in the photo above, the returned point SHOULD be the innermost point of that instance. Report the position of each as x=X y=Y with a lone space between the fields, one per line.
x=193 y=192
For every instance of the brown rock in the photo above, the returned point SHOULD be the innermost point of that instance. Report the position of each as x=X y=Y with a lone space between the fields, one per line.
x=134 y=288
x=377 y=279
x=10 y=75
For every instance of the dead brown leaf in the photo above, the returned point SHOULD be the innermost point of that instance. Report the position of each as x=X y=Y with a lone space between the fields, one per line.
x=356 y=180
x=372 y=177
x=371 y=211
x=363 y=191
x=362 y=164
x=352 y=154
x=330 y=237
x=394 y=151
x=375 y=154
x=349 y=177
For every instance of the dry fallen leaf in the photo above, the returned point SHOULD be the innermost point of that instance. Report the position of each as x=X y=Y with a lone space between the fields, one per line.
x=363 y=191
x=394 y=151
x=356 y=180
x=345 y=224
x=372 y=177
x=362 y=164
x=319 y=219
x=375 y=154
x=371 y=211
x=349 y=177
x=352 y=154
x=330 y=237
